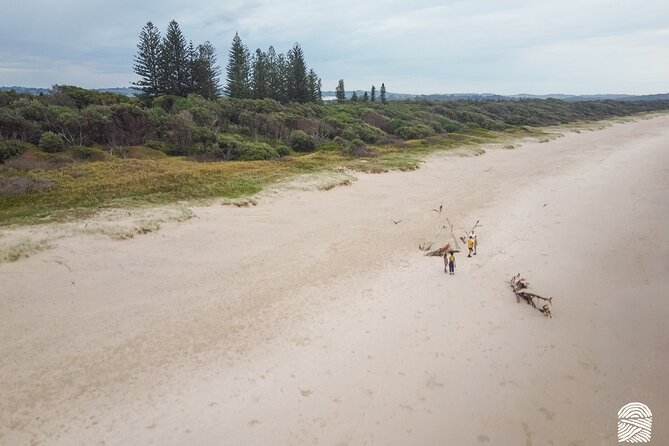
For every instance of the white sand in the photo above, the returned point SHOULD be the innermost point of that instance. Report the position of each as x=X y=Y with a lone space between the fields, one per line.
x=313 y=319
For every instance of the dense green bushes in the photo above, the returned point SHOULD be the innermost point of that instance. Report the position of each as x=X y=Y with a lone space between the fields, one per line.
x=301 y=142
x=51 y=142
x=11 y=148
x=248 y=129
x=235 y=147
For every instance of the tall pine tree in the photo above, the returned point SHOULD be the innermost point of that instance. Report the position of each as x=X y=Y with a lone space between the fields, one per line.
x=260 y=76
x=275 y=87
x=314 y=86
x=147 y=61
x=175 y=62
x=373 y=95
x=238 y=70
x=340 y=93
x=382 y=94
x=297 y=82
x=206 y=72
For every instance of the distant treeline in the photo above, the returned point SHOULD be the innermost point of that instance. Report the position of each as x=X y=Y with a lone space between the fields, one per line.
x=86 y=121
x=169 y=66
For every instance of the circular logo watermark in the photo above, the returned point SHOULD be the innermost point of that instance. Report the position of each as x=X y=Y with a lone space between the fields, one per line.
x=635 y=422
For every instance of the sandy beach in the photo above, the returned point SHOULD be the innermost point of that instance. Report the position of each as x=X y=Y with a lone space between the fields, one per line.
x=312 y=318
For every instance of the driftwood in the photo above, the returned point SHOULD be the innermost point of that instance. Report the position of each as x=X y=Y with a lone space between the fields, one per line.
x=441 y=251
x=444 y=223
x=467 y=234
x=519 y=287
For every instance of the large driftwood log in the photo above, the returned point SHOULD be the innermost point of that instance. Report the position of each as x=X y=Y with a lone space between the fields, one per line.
x=441 y=251
x=519 y=287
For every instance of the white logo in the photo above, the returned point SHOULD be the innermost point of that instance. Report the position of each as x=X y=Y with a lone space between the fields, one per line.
x=635 y=422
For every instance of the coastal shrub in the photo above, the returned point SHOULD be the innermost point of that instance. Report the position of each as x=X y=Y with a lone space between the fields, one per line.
x=11 y=148
x=373 y=118
x=363 y=131
x=252 y=151
x=282 y=150
x=233 y=147
x=396 y=124
x=448 y=125
x=416 y=131
x=51 y=142
x=301 y=142
x=474 y=119
x=328 y=146
x=157 y=145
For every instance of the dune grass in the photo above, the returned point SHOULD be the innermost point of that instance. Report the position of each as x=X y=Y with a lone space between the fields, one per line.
x=83 y=188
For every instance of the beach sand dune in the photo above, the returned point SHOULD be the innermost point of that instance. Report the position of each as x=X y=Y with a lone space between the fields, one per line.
x=313 y=319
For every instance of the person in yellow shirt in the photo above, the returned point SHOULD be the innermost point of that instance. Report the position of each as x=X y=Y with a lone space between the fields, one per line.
x=470 y=245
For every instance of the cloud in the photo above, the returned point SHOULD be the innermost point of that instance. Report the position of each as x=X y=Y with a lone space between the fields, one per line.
x=505 y=46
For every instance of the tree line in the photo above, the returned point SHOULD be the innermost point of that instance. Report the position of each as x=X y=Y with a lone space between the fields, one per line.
x=169 y=66
x=340 y=94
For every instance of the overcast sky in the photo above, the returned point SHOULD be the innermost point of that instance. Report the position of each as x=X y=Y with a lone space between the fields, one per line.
x=420 y=46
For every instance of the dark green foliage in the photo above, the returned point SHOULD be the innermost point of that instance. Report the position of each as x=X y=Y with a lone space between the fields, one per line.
x=252 y=151
x=175 y=63
x=11 y=148
x=301 y=142
x=372 y=96
x=51 y=143
x=276 y=76
x=314 y=87
x=230 y=128
x=297 y=80
x=340 y=92
x=354 y=97
x=238 y=70
x=235 y=147
x=417 y=131
x=148 y=61
x=282 y=150
x=206 y=72
x=362 y=131
x=382 y=94
x=365 y=97
x=15 y=126
x=171 y=67
x=260 y=81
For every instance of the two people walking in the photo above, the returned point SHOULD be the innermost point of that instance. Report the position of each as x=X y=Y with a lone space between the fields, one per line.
x=449 y=263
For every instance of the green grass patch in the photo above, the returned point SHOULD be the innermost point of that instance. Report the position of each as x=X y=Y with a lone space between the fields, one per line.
x=80 y=189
